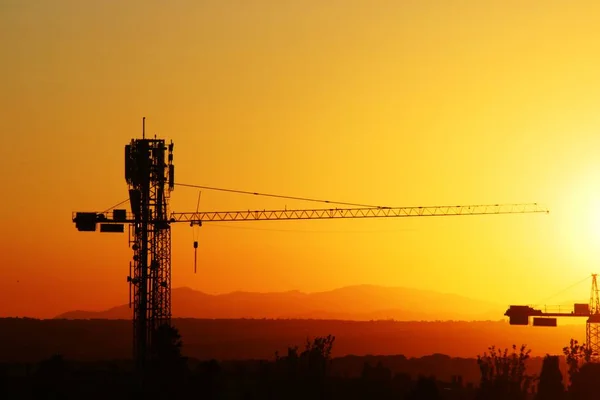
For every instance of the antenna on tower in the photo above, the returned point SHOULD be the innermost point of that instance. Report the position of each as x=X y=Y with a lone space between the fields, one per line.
x=143 y=127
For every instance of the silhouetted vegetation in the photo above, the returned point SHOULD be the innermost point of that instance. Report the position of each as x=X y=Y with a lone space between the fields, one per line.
x=95 y=340
x=167 y=370
x=550 y=385
x=585 y=382
x=307 y=372
x=576 y=355
x=503 y=374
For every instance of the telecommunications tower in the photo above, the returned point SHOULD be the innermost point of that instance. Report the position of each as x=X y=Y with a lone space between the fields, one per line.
x=150 y=175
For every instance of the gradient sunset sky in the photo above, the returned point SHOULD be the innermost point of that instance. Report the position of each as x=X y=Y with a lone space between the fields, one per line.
x=398 y=103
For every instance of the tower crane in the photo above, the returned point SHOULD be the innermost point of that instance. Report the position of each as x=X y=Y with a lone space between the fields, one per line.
x=519 y=315
x=150 y=175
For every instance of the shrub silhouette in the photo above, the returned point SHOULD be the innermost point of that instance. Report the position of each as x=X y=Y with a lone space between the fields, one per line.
x=167 y=344
x=576 y=355
x=51 y=378
x=425 y=389
x=550 y=386
x=303 y=375
x=167 y=367
x=313 y=361
x=585 y=382
x=503 y=374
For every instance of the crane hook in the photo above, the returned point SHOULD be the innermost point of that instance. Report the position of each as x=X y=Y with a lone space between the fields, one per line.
x=196 y=228
x=195 y=254
x=196 y=233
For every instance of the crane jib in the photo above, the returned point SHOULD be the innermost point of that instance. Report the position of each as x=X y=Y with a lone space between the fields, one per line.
x=274 y=215
x=87 y=221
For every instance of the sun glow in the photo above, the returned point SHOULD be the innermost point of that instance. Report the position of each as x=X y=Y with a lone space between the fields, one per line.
x=580 y=215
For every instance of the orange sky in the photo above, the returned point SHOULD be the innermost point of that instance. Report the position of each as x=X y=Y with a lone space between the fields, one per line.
x=386 y=102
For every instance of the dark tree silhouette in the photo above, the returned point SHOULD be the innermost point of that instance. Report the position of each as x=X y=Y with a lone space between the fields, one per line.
x=585 y=382
x=209 y=379
x=576 y=355
x=318 y=354
x=167 y=368
x=503 y=374
x=377 y=374
x=425 y=389
x=550 y=385
x=304 y=374
x=3 y=383
x=313 y=361
x=167 y=344
x=377 y=379
x=51 y=378
x=307 y=372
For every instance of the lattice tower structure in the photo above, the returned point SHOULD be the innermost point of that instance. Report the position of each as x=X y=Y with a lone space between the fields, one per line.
x=592 y=331
x=149 y=173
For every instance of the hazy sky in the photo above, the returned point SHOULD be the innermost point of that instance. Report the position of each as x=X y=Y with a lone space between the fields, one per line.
x=400 y=103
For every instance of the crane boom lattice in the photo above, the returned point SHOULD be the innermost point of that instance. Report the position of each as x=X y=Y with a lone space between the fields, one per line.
x=339 y=213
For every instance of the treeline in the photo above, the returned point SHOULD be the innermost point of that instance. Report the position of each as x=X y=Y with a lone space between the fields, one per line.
x=302 y=372
x=92 y=340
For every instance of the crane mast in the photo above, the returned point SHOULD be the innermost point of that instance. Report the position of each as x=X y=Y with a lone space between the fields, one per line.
x=150 y=179
x=149 y=173
x=592 y=326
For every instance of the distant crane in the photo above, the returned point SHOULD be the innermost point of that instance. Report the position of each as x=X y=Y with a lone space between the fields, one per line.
x=519 y=315
x=150 y=175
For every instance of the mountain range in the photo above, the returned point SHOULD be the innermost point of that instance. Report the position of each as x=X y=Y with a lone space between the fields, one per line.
x=358 y=303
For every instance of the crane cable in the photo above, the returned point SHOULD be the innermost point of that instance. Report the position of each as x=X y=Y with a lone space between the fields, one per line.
x=115 y=206
x=279 y=196
x=214 y=225
x=561 y=291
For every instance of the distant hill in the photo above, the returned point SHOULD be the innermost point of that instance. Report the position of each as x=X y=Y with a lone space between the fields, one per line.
x=359 y=303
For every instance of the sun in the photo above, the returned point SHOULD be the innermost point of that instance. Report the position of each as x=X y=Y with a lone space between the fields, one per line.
x=575 y=218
